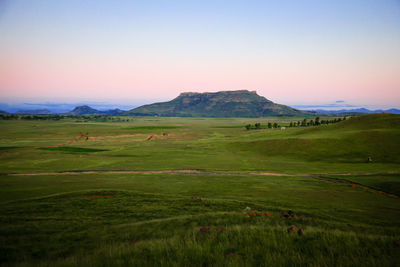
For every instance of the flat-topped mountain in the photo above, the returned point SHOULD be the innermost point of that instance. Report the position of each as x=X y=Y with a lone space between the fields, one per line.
x=241 y=103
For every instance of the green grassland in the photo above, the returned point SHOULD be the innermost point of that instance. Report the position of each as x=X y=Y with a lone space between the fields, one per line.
x=65 y=199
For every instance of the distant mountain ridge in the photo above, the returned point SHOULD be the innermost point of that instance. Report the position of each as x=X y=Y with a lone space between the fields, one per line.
x=240 y=103
x=358 y=110
x=35 y=112
x=86 y=110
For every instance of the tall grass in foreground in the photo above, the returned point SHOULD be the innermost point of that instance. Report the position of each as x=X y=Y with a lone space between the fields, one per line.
x=246 y=246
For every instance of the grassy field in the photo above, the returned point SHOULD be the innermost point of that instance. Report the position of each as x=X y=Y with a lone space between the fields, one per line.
x=93 y=193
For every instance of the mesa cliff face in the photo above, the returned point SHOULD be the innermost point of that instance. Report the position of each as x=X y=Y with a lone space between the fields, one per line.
x=241 y=103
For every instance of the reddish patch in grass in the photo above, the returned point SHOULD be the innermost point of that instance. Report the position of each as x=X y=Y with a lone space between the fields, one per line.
x=353 y=185
x=205 y=229
x=231 y=252
x=257 y=214
x=99 y=196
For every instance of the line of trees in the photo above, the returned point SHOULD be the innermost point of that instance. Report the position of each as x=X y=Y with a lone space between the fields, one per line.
x=257 y=126
x=315 y=122
x=301 y=123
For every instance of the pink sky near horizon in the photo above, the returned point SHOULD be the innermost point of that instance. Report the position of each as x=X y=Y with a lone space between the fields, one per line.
x=360 y=66
x=300 y=82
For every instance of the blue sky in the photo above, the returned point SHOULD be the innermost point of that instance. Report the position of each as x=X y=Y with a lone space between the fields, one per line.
x=292 y=52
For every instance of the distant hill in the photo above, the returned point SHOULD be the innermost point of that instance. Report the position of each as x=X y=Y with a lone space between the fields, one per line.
x=4 y=112
x=241 y=103
x=35 y=112
x=116 y=111
x=358 y=111
x=86 y=110
x=83 y=110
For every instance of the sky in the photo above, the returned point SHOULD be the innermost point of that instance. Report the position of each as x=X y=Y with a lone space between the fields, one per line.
x=304 y=53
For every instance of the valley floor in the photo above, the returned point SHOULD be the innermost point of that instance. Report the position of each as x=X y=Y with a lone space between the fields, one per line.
x=199 y=192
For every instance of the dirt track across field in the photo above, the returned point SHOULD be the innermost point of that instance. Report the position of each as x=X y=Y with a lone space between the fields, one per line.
x=198 y=172
x=322 y=177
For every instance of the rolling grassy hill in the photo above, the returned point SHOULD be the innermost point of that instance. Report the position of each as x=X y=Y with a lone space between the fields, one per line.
x=63 y=216
x=351 y=141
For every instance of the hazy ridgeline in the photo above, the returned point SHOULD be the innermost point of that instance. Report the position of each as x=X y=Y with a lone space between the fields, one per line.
x=99 y=190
